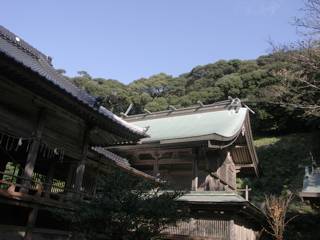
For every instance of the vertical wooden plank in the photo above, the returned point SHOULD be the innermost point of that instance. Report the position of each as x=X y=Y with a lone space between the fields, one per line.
x=194 y=184
x=3 y=164
x=31 y=223
x=49 y=179
x=70 y=177
x=232 y=232
x=34 y=149
x=156 y=164
x=81 y=165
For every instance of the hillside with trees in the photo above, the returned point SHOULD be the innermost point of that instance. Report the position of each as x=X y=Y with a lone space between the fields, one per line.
x=283 y=122
x=255 y=82
x=283 y=90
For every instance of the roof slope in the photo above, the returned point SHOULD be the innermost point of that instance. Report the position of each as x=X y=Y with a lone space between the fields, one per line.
x=215 y=125
x=21 y=52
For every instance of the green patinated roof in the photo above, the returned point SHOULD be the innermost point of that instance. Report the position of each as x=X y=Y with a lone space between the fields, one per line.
x=222 y=125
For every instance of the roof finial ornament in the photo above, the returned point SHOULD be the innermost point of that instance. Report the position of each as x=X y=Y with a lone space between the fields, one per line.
x=49 y=59
x=147 y=111
x=172 y=108
x=127 y=112
x=235 y=103
x=200 y=103
x=98 y=102
x=145 y=129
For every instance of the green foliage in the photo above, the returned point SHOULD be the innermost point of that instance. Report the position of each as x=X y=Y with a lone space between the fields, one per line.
x=252 y=80
x=125 y=208
x=281 y=161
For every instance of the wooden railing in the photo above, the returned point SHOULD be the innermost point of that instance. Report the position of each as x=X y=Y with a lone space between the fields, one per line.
x=23 y=187
x=207 y=228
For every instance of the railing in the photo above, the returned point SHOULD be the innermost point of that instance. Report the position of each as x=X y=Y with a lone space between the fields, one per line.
x=21 y=186
x=217 y=228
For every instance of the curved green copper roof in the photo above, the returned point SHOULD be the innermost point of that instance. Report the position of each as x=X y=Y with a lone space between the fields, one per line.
x=220 y=125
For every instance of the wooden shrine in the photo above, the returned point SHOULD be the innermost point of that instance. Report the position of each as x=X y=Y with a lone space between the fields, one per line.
x=47 y=130
x=201 y=150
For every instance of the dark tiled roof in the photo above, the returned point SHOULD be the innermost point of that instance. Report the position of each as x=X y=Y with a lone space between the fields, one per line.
x=21 y=52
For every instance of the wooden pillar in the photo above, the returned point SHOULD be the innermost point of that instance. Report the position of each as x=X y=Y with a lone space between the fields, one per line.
x=156 y=165
x=194 y=184
x=96 y=177
x=49 y=179
x=81 y=165
x=3 y=164
x=31 y=223
x=70 y=177
x=34 y=149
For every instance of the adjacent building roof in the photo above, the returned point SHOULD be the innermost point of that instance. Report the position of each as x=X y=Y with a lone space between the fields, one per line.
x=216 y=126
x=212 y=200
x=14 y=48
x=311 y=184
x=200 y=125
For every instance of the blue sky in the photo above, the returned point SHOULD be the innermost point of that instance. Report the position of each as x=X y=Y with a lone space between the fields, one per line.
x=129 y=39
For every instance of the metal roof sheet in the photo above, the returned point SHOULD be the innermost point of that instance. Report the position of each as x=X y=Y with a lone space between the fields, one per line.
x=220 y=125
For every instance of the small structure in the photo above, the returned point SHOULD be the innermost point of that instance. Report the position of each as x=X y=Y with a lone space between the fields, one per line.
x=311 y=186
x=47 y=130
x=202 y=150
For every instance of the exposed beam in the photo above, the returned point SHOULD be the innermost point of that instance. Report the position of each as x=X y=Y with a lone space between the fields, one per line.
x=162 y=151
x=240 y=146
x=239 y=166
x=163 y=161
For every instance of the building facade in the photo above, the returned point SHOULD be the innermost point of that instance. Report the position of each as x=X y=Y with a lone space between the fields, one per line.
x=48 y=129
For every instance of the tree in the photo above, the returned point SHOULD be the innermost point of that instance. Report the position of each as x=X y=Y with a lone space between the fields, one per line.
x=301 y=77
x=276 y=210
x=126 y=207
x=310 y=22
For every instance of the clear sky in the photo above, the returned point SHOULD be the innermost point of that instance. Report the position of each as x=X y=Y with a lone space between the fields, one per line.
x=129 y=39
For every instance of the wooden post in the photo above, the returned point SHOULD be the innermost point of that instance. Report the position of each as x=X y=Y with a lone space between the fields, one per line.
x=81 y=165
x=156 y=165
x=31 y=223
x=3 y=164
x=34 y=149
x=194 y=184
x=232 y=232
x=70 y=177
x=247 y=193
x=49 y=179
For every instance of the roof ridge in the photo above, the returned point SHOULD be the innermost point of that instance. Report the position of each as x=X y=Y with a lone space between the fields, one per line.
x=23 y=45
x=230 y=104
